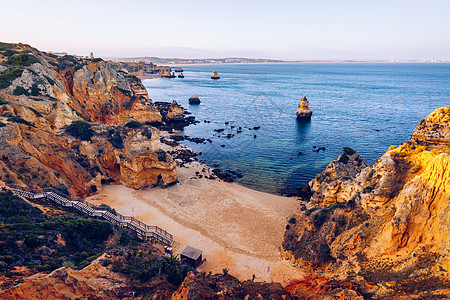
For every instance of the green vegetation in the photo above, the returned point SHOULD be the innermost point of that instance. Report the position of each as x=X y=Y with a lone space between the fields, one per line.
x=5 y=46
x=144 y=265
x=368 y=189
x=9 y=52
x=45 y=243
x=49 y=79
x=115 y=138
x=17 y=119
x=80 y=130
x=343 y=158
x=133 y=124
x=319 y=218
x=162 y=155
x=34 y=90
x=19 y=90
x=31 y=71
x=349 y=151
x=7 y=76
x=38 y=114
x=2 y=124
x=51 y=55
x=67 y=61
x=123 y=91
x=22 y=59
x=3 y=101
x=325 y=251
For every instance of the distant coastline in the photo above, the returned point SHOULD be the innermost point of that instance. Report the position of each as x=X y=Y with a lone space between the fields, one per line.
x=238 y=61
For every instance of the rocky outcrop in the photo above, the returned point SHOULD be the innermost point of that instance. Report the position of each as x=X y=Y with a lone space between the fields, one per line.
x=94 y=282
x=303 y=111
x=104 y=95
x=335 y=183
x=175 y=113
x=215 y=75
x=435 y=128
x=51 y=93
x=386 y=223
x=202 y=286
x=194 y=100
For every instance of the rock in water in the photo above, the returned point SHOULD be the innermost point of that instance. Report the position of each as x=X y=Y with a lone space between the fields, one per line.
x=303 y=111
x=175 y=113
x=215 y=75
x=194 y=100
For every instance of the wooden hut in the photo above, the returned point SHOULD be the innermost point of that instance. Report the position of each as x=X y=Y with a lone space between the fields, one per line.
x=191 y=256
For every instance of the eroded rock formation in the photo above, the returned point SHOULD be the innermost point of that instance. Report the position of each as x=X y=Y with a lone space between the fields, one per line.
x=52 y=92
x=303 y=111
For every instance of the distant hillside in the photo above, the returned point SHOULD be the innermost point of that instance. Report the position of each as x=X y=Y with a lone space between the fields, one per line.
x=186 y=61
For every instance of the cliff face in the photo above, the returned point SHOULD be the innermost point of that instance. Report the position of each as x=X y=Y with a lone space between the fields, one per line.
x=44 y=93
x=105 y=95
x=387 y=222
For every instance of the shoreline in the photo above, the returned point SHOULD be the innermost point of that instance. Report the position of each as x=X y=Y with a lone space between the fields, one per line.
x=237 y=228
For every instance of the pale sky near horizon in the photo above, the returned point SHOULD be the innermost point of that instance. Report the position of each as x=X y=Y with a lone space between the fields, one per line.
x=291 y=30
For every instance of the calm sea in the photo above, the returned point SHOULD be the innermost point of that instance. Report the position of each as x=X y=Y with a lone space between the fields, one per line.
x=364 y=106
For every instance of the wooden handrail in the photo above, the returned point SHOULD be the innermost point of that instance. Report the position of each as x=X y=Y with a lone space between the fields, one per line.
x=131 y=223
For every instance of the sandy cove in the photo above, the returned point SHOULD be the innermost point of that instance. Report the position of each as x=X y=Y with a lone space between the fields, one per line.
x=236 y=228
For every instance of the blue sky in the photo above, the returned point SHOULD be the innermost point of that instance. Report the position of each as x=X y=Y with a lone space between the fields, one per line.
x=297 y=30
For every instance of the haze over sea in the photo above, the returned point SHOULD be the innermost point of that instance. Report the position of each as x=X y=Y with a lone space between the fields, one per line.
x=367 y=107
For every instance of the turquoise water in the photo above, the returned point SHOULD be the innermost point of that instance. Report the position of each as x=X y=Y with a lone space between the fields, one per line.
x=364 y=106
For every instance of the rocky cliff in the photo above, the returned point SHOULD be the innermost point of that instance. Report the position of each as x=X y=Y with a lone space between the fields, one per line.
x=41 y=94
x=387 y=223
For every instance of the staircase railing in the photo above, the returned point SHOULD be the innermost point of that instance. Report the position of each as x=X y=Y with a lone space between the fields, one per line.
x=139 y=228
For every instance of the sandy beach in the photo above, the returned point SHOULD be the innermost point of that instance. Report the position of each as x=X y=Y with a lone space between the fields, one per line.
x=236 y=228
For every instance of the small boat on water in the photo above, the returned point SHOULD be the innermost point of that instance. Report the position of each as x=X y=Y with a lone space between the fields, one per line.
x=178 y=69
x=215 y=75
x=180 y=75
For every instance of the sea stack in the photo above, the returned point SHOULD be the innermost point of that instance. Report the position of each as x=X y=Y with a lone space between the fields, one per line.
x=215 y=75
x=194 y=100
x=303 y=111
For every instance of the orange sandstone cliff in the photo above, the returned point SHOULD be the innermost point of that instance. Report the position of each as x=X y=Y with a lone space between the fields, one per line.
x=41 y=94
x=385 y=225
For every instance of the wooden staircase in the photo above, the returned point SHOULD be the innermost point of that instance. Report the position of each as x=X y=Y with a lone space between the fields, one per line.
x=142 y=230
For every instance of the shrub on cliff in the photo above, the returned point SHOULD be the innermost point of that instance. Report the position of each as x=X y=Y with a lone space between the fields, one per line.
x=18 y=91
x=5 y=46
x=134 y=124
x=9 y=52
x=7 y=76
x=115 y=138
x=80 y=130
x=343 y=158
x=349 y=151
x=17 y=119
x=3 y=101
x=2 y=124
x=162 y=155
x=22 y=59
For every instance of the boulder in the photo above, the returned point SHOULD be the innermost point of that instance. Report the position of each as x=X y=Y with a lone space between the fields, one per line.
x=194 y=100
x=303 y=111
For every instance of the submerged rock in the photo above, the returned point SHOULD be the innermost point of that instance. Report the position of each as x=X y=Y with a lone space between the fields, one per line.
x=303 y=111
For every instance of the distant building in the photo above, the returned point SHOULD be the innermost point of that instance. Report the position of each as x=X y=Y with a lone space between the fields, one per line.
x=91 y=55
